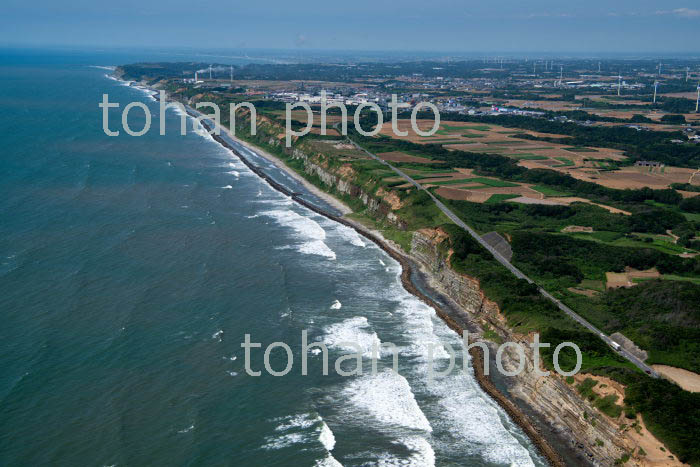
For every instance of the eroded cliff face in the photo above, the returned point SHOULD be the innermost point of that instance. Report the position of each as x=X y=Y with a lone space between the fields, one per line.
x=380 y=204
x=593 y=437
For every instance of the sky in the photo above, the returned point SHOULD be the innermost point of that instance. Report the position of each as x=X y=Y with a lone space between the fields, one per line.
x=593 y=26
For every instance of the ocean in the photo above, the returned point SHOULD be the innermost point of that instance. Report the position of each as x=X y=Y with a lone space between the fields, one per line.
x=131 y=268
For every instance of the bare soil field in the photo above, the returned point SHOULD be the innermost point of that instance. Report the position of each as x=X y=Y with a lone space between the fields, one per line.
x=616 y=280
x=686 y=379
x=528 y=200
x=634 y=177
x=476 y=196
x=580 y=163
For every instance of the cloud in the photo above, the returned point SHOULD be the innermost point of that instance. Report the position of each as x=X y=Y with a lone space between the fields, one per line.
x=680 y=12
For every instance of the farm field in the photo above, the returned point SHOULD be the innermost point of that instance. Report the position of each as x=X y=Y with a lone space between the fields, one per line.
x=597 y=165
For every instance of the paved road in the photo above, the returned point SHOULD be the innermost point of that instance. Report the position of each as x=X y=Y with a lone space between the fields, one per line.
x=571 y=313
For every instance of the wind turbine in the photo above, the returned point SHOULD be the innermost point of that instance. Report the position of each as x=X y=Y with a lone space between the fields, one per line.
x=232 y=73
x=656 y=85
x=598 y=67
x=561 y=74
x=697 y=102
x=619 y=83
x=659 y=68
x=209 y=71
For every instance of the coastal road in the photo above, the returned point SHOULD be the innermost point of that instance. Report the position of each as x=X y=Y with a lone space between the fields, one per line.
x=519 y=274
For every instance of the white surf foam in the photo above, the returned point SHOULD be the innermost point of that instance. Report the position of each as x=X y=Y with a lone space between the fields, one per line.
x=317 y=247
x=388 y=398
x=328 y=461
x=278 y=202
x=150 y=94
x=459 y=406
x=306 y=228
x=417 y=318
x=476 y=421
x=301 y=428
x=355 y=331
x=350 y=235
x=301 y=421
x=422 y=454
x=326 y=437
x=284 y=441
x=336 y=305
x=186 y=430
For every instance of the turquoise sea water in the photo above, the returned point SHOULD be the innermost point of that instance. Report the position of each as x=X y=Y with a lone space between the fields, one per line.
x=132 y=267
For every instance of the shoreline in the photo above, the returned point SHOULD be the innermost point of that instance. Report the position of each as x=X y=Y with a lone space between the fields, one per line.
x=408 y=269
x=279 y=163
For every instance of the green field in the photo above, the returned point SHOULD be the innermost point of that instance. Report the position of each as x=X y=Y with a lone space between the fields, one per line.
x=549 y=191
x=528 y=156
x=453 y=182
x=617 y=239
x=673 y=277
x=493 y=182
x=565 y=162
x=500 y=198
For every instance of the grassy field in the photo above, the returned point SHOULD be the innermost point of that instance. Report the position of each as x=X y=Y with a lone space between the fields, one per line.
x=493 y=182
x=565 y=162
x=453 y=181
x=616 y=239
x=549 y=191
x=500 y=198
x=528 y=156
